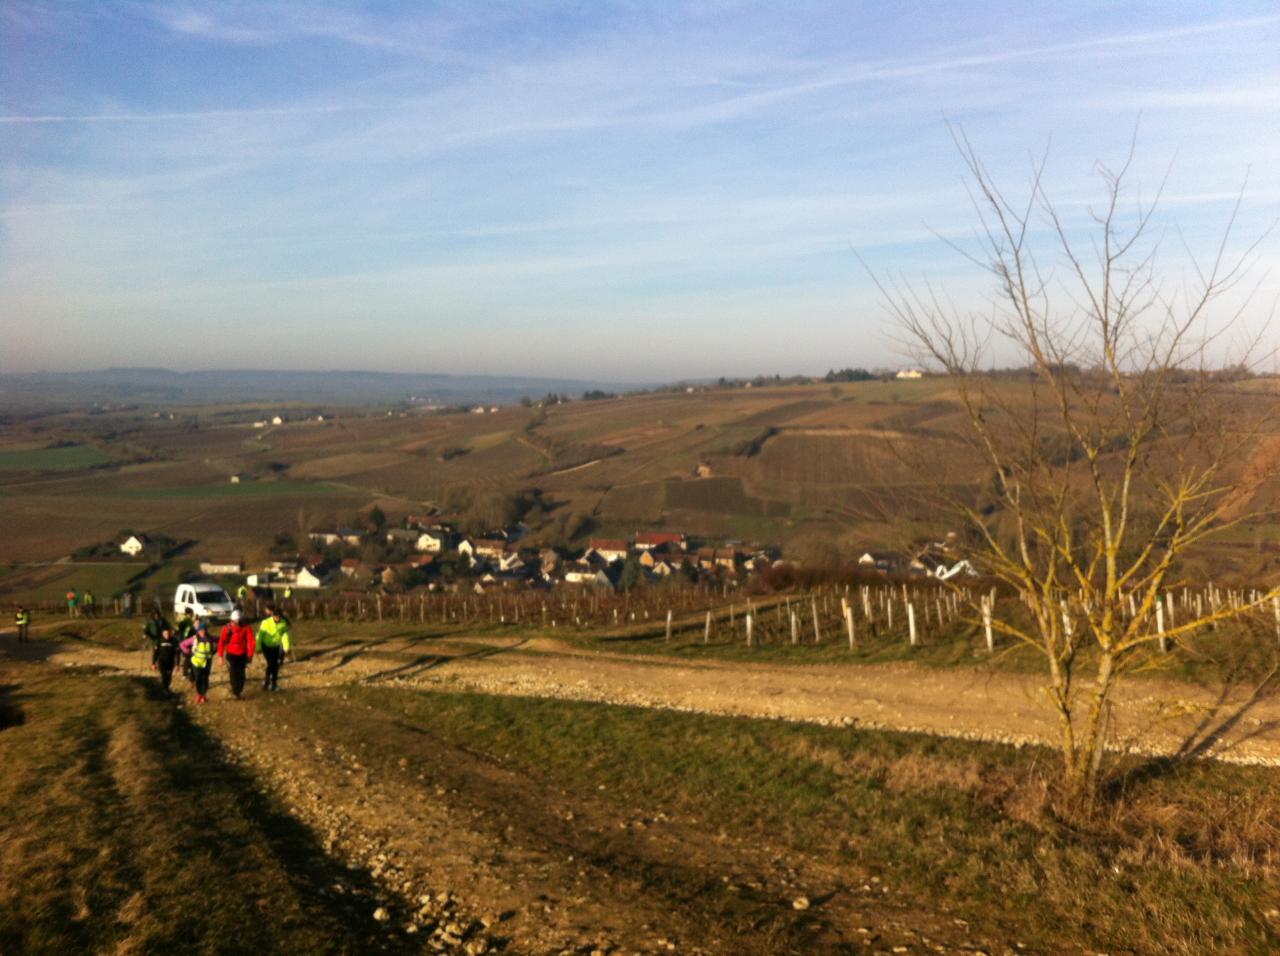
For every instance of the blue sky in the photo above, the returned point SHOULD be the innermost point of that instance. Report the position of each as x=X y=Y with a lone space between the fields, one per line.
x=637 y=191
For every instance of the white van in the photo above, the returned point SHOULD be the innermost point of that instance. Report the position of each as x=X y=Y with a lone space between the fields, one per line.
x=203 y=598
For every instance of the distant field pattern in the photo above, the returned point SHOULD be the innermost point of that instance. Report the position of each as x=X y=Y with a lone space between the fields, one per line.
x=66 y=458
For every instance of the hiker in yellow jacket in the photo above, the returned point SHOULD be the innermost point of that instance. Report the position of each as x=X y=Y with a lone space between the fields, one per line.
x=274 y=642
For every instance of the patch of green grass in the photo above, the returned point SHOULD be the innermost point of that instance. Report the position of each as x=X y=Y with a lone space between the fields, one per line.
x=642 y=502
x=1184 y=867
x=66 y=458
x=104 y=580
x=723 y=495
x=248 y=489
x=125 y=830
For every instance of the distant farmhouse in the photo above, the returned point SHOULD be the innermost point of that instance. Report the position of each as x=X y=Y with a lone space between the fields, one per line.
x=221 y=567
x=657 y=540
x=134 y=545
x=608 y=549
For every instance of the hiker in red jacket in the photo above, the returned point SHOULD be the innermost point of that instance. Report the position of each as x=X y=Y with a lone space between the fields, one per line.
x=235 y=647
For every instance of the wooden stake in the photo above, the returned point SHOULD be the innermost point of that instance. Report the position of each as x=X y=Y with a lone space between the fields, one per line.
x=986 y=625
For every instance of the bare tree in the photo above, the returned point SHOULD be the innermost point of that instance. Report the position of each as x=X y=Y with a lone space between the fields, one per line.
x=1114 y=455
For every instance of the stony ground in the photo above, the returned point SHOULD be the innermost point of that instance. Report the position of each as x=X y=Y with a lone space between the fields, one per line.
x=474 y=855
x=1153 y=716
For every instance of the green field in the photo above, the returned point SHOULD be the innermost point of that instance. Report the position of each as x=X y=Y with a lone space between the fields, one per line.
x=66 y=458
x=949 y=824
x=249 y=489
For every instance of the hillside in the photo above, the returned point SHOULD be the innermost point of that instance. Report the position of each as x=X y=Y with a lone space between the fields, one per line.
x=820 y=470
x=153 y=386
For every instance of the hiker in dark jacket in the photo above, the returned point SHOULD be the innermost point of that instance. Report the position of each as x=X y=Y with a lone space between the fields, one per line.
x=154 y=631
x=166 y=655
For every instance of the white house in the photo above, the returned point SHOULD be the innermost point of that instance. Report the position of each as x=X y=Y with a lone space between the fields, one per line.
x=241 y=477
x=510 y=561
x=277 y=420
x=259 y=424
x=580 y=574
x=285 y=570
x=221 y=567
x=609 y=549
x=488 y=547
x=911 y=373
x=343 y=535
x=134 y=545
x=316 y=577
x=431 y=542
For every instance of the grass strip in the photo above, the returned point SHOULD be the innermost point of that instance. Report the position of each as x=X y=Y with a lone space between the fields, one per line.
x=1185 y=864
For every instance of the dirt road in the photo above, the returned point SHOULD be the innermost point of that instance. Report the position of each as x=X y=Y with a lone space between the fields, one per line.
x=1235 y=724
x=1151 y=717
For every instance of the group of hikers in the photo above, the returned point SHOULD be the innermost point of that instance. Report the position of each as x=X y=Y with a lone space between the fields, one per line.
x=81 y=605
x=193 y=648
x=86 y=605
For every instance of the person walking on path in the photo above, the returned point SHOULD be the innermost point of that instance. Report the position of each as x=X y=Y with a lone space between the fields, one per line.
x=153 y=631
x=203 y=650
x=274 y=639
x=186 y=630
x=22 y=620
x=166 y=655
x=235 y=647
x=71 y=603
x=90 y=606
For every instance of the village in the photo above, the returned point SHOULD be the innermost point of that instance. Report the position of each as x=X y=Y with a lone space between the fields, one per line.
x=432 y=554
x=426 y=553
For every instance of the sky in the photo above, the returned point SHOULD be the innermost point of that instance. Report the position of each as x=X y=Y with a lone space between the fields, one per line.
x=643 y=191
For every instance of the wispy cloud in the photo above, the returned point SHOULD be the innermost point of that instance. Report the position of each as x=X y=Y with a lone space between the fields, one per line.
x=462 y=168
x=424 y=35
x=264 y=112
